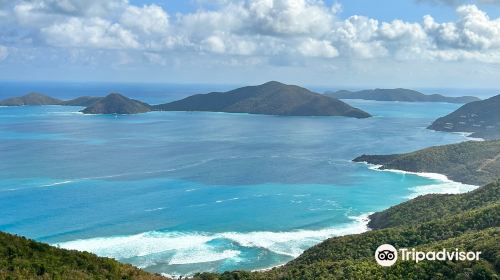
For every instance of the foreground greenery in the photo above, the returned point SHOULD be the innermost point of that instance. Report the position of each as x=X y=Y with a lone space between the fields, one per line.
x=472 y=162
x=21 y=258
x=469 y=222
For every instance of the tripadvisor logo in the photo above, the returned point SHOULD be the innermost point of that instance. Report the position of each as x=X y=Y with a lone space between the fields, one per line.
x=387 y=255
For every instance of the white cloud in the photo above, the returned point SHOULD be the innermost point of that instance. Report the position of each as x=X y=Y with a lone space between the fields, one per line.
x=315 y=48
x=149 y=19
x=276 y=30
x=290 y=17
x=90 y=33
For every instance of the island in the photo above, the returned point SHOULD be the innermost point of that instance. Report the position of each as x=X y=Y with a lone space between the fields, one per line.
x=271 y=98
x=84 y=101
x=481 y=118
x=472 y=162
x=115 y=103
x=398 y=94
x=31 y=99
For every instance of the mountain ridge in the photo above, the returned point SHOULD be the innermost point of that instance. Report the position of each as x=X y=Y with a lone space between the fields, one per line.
x=271 y=98
x=481 y=118
x=399 y=94
x=30 y=99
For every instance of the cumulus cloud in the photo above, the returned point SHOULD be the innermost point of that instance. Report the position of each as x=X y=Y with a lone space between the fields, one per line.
x=93 y=33
x=275 y=29
x=458 y=2
x=315 y=48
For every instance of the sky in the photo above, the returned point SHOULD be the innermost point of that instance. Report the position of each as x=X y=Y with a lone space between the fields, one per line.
x=351 y=43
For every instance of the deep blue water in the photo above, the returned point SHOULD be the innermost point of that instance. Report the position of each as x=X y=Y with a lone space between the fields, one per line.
x=178 y=192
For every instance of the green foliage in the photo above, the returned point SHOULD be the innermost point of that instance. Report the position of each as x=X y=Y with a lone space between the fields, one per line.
x=472 y=162
x=434 y=206
x=21 y=258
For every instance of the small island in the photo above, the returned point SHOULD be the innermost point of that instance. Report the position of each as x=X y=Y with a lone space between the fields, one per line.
x=398 y=94
x=116 y=103
x=272 y=98
x=481 y=118
x=31 y=99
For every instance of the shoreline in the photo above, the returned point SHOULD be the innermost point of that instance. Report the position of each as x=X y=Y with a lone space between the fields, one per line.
x=458 y=187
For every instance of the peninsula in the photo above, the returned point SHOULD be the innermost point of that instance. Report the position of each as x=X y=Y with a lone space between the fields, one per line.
x=398 y=94
x=481 y=118
x=472 y=162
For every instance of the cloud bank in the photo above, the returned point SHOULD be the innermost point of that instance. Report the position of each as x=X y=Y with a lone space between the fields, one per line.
x=244 y=31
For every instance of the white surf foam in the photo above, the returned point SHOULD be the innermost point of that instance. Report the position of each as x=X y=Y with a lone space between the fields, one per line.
x=58 y=183
x=443 y=185
x=193 y=247
x=202 y=254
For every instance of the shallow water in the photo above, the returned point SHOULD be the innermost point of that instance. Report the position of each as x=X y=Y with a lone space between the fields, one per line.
x=177 y=192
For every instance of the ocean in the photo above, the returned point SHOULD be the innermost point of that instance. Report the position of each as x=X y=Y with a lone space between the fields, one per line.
x=183 y=192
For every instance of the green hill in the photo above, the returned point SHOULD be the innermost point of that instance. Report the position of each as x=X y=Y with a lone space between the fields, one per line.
x=272 y=98
x=31 y=99
x=472 y=162
x=21 y=258
x=481 y=118
x=116 y=103
x=398 y=94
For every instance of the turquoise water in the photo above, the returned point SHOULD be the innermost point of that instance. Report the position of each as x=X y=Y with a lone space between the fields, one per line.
x=177 y=192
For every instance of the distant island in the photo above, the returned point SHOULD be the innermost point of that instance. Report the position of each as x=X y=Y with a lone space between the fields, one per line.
x=472 y=162
x=31 y=99
x=116 y=103
x=398 y=94
x=481 y=118
x=84 y=101
x=272 y=98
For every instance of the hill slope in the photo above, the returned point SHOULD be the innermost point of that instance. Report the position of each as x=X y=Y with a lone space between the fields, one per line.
x=272 y=98
x=116 y=103
x=33 y=99
x=470 y=162
x=21 y=258
x=398 y=94
x=482 y=118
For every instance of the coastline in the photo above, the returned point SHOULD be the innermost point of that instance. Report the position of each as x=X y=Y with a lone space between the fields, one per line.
x=444 y=185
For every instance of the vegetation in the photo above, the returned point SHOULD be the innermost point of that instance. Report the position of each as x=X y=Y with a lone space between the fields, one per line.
x=398 y=94
x=21 y=258
x=116 y=103
x=433 y=206
x=30 y=99
x=481 y=118
x=271 y=98
x=470 y=162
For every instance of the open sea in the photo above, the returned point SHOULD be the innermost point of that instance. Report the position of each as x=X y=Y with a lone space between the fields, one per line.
x=179 y=192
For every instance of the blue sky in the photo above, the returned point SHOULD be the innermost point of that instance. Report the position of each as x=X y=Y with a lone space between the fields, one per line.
x=355 y=43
